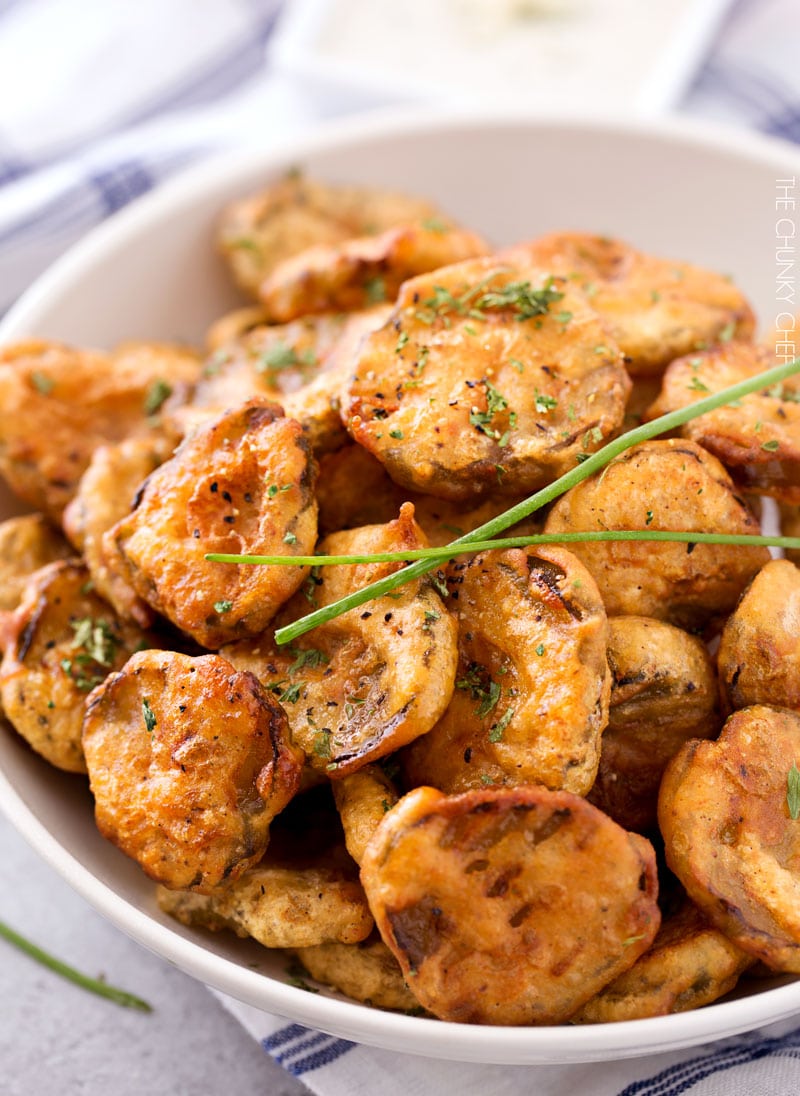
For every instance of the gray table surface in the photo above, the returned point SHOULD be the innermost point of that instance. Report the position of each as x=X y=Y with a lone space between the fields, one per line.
x=57 y=1038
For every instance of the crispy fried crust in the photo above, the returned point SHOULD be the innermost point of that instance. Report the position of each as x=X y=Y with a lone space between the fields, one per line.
x=189 y=761
x=728 y=834
x=758 y=437
x=244 y=483
x=656 y=309
x=671 y=484
x=61 y=641
x=663 y=692
x=759 y=654
x=373 y=679
x=280 y=907
x=59 y=404
x=26 y=544
x=790 y=527
x=362 y=799
x=532 y=684
x=345 y=275
x=510 y=906
x=690 y=964
x=105 y=495
x=367 y=972
x=294 y=213
x=457 y=401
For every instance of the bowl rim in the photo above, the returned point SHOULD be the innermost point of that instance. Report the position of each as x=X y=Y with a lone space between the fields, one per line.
x=393 y=1031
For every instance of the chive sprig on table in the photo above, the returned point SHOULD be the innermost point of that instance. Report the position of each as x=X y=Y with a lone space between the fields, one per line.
x=484 y=537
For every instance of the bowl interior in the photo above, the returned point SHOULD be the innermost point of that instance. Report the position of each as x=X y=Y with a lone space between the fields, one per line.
x=151 y=272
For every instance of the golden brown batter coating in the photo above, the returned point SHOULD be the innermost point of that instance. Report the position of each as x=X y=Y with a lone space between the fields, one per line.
x=106 y=494
x=487 y=377
x=656 y=309
x=60 y=643
x=790 y=527
x=26 y=544
x=242 y=484
x=295 y=212
x=532 y=684
x=758 y=437
x=362 y=799
x=57 y=405
x=690 y=964
x=367 y=972
x=759 y=654
x=375 y=678
x=369 y=269
x=279 y=906
x=673 y=485
x=725 y=814
x=663 y=692
x=189 y=761
x=510 y=906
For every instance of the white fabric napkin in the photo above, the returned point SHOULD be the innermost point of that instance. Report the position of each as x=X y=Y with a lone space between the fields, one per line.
x=101 y=102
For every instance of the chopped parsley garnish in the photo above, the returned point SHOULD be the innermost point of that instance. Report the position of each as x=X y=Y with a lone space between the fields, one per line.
x=563 y=317
x=435 y=224
x=431 y=616
x=42 y=383
x=793 y=792
x=397 y=434
x=728 y=331
x=156 y=394
x=277 y=357
x=375 y=288
x=289 y=538
x=543 y=403
x=540 y=649
x=96 y=638
x=223 y=606
x=150 y=721
x=696 y=385
x=322 y=743
x=495 y=403
x=771 y=446
x=477 y=300
x=291 y=694
x=497 y=729
x=481 y=687
x=310 y=657
x=648 y=517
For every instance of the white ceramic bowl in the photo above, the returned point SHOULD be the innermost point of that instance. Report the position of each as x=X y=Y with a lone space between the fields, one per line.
x=151 y=272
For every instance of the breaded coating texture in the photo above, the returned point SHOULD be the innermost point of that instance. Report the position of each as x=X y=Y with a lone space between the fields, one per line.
x=759 y=653
x=510 y=906
x=294 y=213
x=488 y=376
x=656 y=309
x=106 y=494
x=189 y=761
x=242 y=484
x=369 y=269
x=532 y=684
x=690 y=964
x=60 y=643
x=60 y=404
x=280 y=907
x=367 y=972
x=725 y=811
x=26 y=544
x=362 y=799
x=757 y=438
x=673 y=485
x=663 y=692
x=375 y=678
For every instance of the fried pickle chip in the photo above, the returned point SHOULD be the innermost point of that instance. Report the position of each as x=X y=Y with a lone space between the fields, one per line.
x=690 y=964
x=106 y=494
x=367 y=972
x=371 y=680
x=488 y=376
x=241 y=484
x=294 y=213
x=532 y=684
x=60 y=643
x=790 y=527
x=759 y=653
x=663 y=692
x=362 y=799
x=672 y=484
x=280 y=907
x=757 y=438
x=189 y=761
x=58 y=404
x=728 y=813
x=510 y=906
x=26 y=544
x=366 y=270
x=656 y=309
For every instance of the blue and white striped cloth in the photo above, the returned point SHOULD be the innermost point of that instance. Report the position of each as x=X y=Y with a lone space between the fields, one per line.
x=161 y=98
